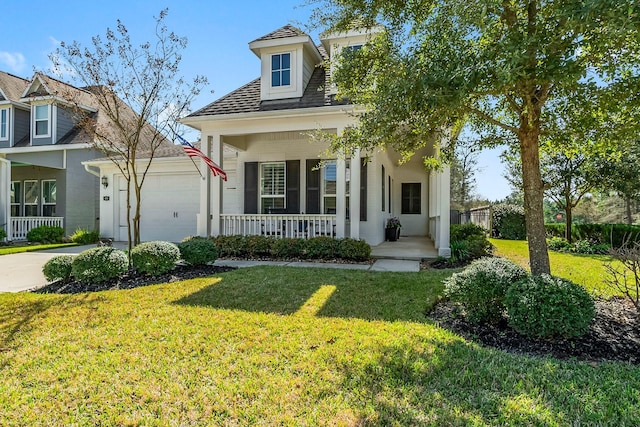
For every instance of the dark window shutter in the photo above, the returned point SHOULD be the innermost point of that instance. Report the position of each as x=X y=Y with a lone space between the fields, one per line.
x=383 y=189
x=313 y=187
x=293 y=186
x=251 y=188
x=363 y=191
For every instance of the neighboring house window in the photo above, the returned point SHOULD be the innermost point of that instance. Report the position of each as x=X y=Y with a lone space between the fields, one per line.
x=49 y=198
x=41 y=120
x=4 y=124
x=329 y=186
x=281 y=69
x=31 y=194
x=272 y=186
x=16 y=198
x=348 y=51
x=411 y=197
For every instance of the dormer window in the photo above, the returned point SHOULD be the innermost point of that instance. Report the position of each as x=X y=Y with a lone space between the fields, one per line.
x=4 y=124
x=41 y=121
x=281 y=69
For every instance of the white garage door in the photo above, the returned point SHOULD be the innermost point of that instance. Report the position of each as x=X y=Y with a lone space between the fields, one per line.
x=169 y=203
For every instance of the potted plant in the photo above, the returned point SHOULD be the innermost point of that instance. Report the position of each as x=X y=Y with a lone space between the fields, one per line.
x=392 y=230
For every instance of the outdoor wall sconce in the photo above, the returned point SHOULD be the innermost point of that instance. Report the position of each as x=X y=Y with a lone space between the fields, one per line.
x=105 y=181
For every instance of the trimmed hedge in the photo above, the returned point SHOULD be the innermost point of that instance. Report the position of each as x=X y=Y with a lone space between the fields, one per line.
x=546 y=306
x=196 y=250
x=83 y=236
x=99 y=264
x=46 y=234
x=155 y=258
x=356 y=250
x=58 y=268
x=612 y=234
x=508 y=222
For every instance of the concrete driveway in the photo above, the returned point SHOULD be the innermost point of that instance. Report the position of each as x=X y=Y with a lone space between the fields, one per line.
x=23 y=271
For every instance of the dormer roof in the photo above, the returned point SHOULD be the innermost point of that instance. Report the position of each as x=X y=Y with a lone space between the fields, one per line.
x=11 y=87
x=285 y=36
x=282 y=32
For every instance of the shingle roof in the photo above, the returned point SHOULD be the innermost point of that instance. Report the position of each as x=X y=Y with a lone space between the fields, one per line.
x=281 y=33
x=12 y=86
x=247 y=98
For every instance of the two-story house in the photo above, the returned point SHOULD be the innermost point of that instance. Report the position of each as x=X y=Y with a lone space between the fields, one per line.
x=281 y=183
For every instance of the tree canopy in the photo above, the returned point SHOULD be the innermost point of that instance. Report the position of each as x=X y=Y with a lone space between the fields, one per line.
x=506 y=67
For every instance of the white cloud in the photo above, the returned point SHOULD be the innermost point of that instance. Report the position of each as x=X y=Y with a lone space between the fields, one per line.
x=15 y=61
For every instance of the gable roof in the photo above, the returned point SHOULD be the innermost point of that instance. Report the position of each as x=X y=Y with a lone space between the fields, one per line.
x=11 y=87
x=280 y=33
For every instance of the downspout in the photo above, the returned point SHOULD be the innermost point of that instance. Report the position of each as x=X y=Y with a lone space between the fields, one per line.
x=91 y=171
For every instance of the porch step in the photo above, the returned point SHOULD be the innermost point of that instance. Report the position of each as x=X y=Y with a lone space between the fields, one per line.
x=401 y=257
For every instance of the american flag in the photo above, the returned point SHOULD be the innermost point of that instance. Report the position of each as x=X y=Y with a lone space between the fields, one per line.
x=194 y=152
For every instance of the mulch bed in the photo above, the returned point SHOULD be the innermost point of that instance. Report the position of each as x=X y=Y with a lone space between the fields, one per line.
x=133 y=280
x=613 y=336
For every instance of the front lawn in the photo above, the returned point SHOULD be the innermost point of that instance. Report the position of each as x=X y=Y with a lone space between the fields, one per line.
x=585 y=270
x=15 y=249
x=282 y=346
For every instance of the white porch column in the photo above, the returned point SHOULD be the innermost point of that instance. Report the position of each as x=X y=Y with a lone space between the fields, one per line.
x=204 y=221
x=5 y=196
x=354 y=194
x=341 y=193
x=216 y=184
x=444 y=202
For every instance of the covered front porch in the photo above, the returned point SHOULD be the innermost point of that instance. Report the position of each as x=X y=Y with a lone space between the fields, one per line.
x=407 y=247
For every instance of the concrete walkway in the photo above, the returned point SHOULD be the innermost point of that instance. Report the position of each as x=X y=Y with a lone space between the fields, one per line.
x=23 y=271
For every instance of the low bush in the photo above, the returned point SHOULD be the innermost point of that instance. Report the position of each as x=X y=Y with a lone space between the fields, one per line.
x=288 y=248
x=464 y=231
x=508 y=222
x=58 y=268
x=83 y=236
x=590 y=247
x=615 y=235
x=322 y=247
x=46 y=234
x=258 y=245
x=155 y=258
x=230 y=246
x=559 y=244
x=196 y=250
x=3 y=234
x=481 y=287
x=468 y=242
x=355 y=250
x=546 y=306
x=99 y=264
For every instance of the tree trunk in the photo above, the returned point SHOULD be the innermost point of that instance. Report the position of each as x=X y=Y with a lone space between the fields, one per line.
x=627 y=202
x=533 y=202
x=568 y=210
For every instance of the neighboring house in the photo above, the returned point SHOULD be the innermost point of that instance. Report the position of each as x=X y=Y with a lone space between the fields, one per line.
x=42 y=180
x=278 y=184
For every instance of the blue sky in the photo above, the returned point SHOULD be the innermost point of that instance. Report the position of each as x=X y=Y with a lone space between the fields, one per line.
x=218 y=33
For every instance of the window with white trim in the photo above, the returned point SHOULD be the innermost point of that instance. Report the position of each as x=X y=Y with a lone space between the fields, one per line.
x=42 y=121
x=329 y=187
x=31 y=198
x=4 y=124
x=16 y=198
x=49 y=197
x=273 y=186
x=281 y=69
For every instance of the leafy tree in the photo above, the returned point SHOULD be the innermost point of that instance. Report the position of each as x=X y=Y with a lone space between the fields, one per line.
x=464 y=167
x=139 y=90
x=499 y=64
x=622 y=175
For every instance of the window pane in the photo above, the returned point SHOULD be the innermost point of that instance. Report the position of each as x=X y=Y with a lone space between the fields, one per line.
x=286 y=61
x=329 y=183
x=31 y=210
x=49 y=210
x=16 y=192
x=275 y=78
x=42 y=127
x=15 y=210
x=31 y=192
x=330 y=205
x=3 y=123
x=42 y=112
x=275 y=62
x=49 y=191
x=272 y=179
x=411 y=198
x=286 y=78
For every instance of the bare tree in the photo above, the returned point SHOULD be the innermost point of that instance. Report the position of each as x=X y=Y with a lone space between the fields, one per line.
x=138 y=96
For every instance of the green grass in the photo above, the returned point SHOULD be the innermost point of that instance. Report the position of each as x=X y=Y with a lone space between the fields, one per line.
x=6 y=250
x=282 y=346
x=585 y=270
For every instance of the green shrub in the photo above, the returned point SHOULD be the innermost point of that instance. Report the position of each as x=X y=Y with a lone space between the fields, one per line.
x=459 y=251
x=614 y=235
x=196 y=250
x=230 y=246
x=590 y=247
x=545 y=306
x=464 y=231
x=288 y=248
x=508 y=222
x=352 y=249
x=83 y=236
x=155 y=257
x=559 y=244
x=481 y=287
x=3 y=234
x=99 y=264
x=46 y=234
x=58 y=268
x=257 y=245
x=322 y=247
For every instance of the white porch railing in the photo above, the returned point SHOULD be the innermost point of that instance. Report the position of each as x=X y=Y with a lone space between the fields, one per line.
x=302 y=226
x=20 y=225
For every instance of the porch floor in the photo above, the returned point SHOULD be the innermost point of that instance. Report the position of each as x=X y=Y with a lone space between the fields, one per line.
x=407 y=247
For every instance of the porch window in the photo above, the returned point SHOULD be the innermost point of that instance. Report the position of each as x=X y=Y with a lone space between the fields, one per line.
x=411 y=197
x=31 y=194
x=4 y=124
x=49 y=198
x=281 y=69
x=329 y=186
x=16 y=198
x=272 y=186
x=41 y=120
